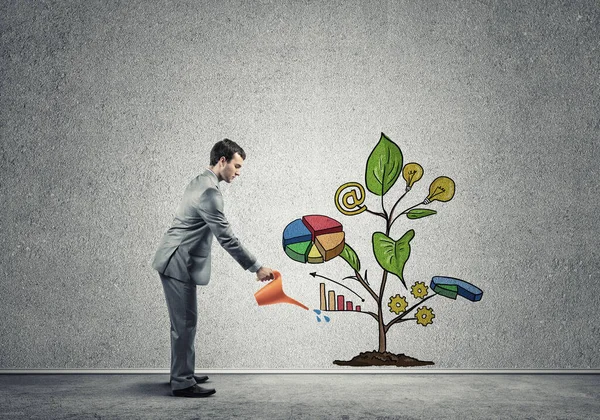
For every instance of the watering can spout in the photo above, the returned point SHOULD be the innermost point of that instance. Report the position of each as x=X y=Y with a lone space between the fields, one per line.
x=273 y=293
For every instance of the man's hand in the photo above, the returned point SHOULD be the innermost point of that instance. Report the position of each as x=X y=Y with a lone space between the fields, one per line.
x=264 y=274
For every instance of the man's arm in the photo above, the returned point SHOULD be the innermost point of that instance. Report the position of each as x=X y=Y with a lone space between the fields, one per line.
x=210 y=209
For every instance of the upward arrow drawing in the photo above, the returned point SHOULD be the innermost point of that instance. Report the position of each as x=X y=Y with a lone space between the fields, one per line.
x=327 y=278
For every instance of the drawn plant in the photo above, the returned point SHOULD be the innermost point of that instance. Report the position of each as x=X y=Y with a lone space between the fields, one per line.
x=383 y=168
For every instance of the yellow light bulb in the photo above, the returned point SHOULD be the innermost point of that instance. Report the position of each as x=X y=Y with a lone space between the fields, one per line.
x=411 y=173
x=441 y=189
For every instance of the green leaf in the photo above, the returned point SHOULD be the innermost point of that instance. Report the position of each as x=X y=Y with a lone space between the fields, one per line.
x=384 y=166
x=419 y=213
x=350 y=257
x=392 y=255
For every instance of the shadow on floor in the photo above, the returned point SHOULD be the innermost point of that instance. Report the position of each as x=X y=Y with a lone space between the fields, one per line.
x=157 y=388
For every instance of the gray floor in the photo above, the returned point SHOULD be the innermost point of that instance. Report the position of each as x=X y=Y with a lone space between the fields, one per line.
x=304 y=396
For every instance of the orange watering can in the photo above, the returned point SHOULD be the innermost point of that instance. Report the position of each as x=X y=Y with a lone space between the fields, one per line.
x=273 y=293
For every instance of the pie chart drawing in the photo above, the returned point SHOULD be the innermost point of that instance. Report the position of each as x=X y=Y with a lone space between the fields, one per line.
x=313 y=239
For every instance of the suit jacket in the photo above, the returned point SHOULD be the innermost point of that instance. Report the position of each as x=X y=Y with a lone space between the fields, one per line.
x=184 y=251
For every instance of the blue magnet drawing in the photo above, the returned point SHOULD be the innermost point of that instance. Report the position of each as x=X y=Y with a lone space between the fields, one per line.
x=451 y=287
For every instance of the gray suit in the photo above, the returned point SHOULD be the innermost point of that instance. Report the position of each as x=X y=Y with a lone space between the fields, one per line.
x=184 y=251
x=183 y=261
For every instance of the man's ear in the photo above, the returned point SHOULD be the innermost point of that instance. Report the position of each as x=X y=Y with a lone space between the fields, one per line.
x=223 y=160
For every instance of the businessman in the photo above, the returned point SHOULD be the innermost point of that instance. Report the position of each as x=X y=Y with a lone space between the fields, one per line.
x=183 y=260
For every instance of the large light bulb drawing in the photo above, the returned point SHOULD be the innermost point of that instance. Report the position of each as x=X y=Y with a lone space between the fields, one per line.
x=411 y=173
x=441 y=189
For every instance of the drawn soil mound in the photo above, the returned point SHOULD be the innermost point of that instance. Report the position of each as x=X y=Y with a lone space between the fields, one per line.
x=375 y=358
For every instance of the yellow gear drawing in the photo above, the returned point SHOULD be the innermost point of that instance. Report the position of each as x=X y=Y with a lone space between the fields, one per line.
x=397 y=304
x=425 y=316
x=419 y=290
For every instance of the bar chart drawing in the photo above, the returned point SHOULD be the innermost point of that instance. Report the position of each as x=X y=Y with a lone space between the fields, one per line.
x=329 y=301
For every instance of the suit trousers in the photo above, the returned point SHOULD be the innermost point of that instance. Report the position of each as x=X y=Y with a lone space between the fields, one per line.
x=183 y=312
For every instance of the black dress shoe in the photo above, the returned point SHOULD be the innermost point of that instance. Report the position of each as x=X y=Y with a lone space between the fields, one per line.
x=195 y=391
x=199 y=379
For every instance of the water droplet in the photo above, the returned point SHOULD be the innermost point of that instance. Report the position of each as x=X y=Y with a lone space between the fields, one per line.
x=318 y=319
x=326 y=318
x=317 y=311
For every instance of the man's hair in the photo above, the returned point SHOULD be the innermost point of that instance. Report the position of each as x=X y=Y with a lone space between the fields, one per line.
x=226 y=148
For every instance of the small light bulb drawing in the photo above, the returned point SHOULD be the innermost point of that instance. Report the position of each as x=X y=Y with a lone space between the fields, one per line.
x=441 y=189
x=411 y=173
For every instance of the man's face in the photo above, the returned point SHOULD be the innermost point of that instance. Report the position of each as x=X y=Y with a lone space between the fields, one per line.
x=231 y=169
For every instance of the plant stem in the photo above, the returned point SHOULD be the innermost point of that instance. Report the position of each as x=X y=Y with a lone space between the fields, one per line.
x=403 y=314
x=358 y=312
x=382 y=287
x=404 y=212
x=375 y=213
x=383 y=208
x=408 y=319
x=394 y=208
x=366 y=286
x=368 y=313
x=382 y=327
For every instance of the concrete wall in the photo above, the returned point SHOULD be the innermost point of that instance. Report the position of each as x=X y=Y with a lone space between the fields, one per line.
x=109 y=108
